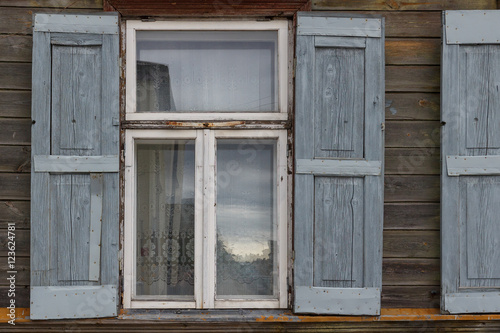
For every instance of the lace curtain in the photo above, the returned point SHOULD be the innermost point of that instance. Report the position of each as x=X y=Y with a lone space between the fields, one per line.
x=165 y=220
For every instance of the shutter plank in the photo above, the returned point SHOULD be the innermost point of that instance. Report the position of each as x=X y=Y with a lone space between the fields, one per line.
x=339 y=160
x=96 y=184
x=470 y=191
x=75 y=168
x=74 y=164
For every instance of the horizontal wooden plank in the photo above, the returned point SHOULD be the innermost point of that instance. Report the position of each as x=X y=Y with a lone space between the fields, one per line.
x=15 y=103
x=22 y=298
x=15 y=211
x=411 y=188
x=410 y=297
x=338 y=167
x=53 y=3
x=411 y=244
x=16 y=48
x=15 y=75
x=17 y=20
x=15 y=158
x=402 y=134
x=412 y=106
x=408 y=216
x=338 y=26
x=402 y=4
x=15 y=186
x=403 y=51
x=474 y=27
x=407 y=272
x=72 y=164
x=22 y=239
x=15 y=131
x=97 y=24
x=419 y=24
x=208 y=8
x=412 y=161
x=473 y=165
x=412 y=78
x=21 y=267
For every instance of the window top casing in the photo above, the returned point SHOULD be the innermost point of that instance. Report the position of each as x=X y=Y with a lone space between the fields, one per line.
x=280 y=26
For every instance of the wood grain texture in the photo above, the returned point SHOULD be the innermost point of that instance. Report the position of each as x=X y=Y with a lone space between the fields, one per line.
x=15 y=159
x=402 y=134
x=412 y=161
x=398 y=5
x=83 y=4
x=411 y=188
x=411 y=216
x=412 y=79
x=411 y=244
x=338 y=246
x=17 y=20
x=22 y=243
x=327 y=77
x=15 y=186
x=403 y=51
x=15 y=104
x=15 y=48
x=412 y=106
x=410 y=297
x=15 y=211
x=420 y=24
x=208 y=8
x=15 y=131
x=410 y=272
x=22 y=267
x=22 y=297
x=15 y=75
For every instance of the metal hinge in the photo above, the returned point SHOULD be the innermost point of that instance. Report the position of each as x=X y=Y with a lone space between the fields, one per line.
x=382 y=126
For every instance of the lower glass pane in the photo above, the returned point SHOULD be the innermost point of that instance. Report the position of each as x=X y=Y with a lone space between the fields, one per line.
x=165 y=220
x=246 y=219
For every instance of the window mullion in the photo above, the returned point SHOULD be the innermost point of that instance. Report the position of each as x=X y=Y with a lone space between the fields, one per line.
x=209 y=219
x=199 y=209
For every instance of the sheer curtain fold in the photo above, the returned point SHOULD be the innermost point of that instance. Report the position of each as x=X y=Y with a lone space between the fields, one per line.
x=165 y=232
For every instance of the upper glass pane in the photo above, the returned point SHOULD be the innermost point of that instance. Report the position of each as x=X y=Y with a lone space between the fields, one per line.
x=165 y=220
x=207 y=71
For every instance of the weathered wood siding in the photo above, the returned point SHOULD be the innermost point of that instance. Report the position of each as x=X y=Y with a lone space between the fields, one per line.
x=15 y=128
x=411 y=238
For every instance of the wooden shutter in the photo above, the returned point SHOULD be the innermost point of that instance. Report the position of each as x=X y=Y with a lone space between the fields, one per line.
x=470 y=181
x=74 y=176
x=339 y=164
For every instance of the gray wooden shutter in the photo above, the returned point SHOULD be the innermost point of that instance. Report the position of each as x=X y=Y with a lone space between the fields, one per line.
x=339 y=164
x=74 y=176
x=470 y=181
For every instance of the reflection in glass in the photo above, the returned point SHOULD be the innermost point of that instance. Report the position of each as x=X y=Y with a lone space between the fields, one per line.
x=165 y=220
x=200 y=71
x=245 y=218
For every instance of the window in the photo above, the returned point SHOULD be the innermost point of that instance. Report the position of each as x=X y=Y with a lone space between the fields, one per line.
x=205 y=208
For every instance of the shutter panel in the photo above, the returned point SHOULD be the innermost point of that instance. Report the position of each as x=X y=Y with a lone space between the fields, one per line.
x=74 y=177
x=470 y=181
x=339 y=164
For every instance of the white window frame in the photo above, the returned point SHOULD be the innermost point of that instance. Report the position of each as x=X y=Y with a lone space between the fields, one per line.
x=205 y=222
x=281 y=26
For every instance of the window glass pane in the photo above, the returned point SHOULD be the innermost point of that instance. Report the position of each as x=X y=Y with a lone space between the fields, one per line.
x=165 y=219
x=246 y=219
x=201 y=71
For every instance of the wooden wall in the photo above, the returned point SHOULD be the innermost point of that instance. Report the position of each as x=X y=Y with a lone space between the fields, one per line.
x=411 y=263
x=15 y=128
